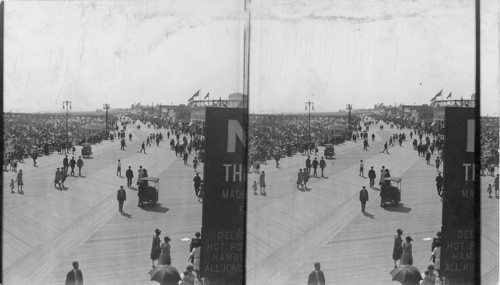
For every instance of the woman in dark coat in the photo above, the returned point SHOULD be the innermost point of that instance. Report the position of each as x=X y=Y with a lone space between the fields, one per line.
x=398 y=247
x=156 y=247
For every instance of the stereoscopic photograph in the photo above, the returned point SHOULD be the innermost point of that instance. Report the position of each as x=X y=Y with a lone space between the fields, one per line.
x=250 y=142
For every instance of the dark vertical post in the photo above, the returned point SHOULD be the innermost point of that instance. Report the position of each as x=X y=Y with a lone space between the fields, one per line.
x=106 y=107
x=67 y=131
x=308 y=107
x=477 y=145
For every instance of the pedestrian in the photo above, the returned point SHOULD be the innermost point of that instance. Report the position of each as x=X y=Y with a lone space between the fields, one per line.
x=397 y=250
x=322 y=165
x=373 y=137
x=130 y=136
x=407 y=256
x=20 y=181
x=305 y=177
x=385 y=148
x=148 y=143
x=496 y=186
x=277 y=159
x=63 y=175
x=432 y=276
x=436 y=240
x=365 y=144
x=119 y=168
x=254 y=187
x=262 y=182
x=65 y=164
x=382 y=175
x=73 y=149
x=185 y=157
x=122 y=144
x=490 y=190
x=436 y=256
x=427 y=278
x=57 y=179
x=315 y=164
x=361 y=168
x=165 y=258
x=79 y=164
x=129 y=174
x=195 y=241
x=143 y=148
x=74 y=276
x=197 y=184
x=156 y=247
x=438 y=163
x=428 y=157
x=439 y=184
x=195 y=163
x=372 y=176
x=300 y=179
x=308 y=164
x=190 y=275
x=34 y=155
x=196 y=255
x=140 y=173
x=12 y=182
x=121 y=196
x=72 y=164
x=363 y=198
x=316 y=277
x=186 y=278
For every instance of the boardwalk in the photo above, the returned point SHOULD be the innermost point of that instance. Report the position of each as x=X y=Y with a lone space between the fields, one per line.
x=287 y=230
x=83 y=223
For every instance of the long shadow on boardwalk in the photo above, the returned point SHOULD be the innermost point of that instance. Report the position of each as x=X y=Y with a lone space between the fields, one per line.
x=399 y=208
x=158 y=208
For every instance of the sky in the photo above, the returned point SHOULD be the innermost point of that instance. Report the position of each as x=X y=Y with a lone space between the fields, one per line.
x=330 y=52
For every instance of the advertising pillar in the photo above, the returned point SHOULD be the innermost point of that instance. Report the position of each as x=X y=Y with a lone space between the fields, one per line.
x=459 y=263
x=224 y=203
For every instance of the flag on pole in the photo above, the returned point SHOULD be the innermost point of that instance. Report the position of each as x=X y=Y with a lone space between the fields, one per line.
x=449 y=96
x=437 y=95
x=195 y=95
x=207 y=96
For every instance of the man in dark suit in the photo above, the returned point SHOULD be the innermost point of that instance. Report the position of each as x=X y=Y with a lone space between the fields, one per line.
x=197 y=184
x=322 y=165
x=65 y=163
x=439 y=183
x=372 y=176
x=74 y=276
x=121 y=197
x=308 y=164
x=72 y=164
x=79 y=164
x=316 y=277
x=129 y=174
x=363 y=197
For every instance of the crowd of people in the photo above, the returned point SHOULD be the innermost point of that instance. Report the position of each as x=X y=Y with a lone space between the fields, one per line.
x=489 y=145
x=38 y=134
x=272 y=135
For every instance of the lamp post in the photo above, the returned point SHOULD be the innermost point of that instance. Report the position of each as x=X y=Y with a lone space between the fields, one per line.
x=349 y=108
x=106 y=107
x=67 y=133
x=309 y=105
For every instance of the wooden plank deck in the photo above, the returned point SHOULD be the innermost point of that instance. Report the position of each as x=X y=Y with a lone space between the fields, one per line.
x=287 y=230
x=288 y=224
